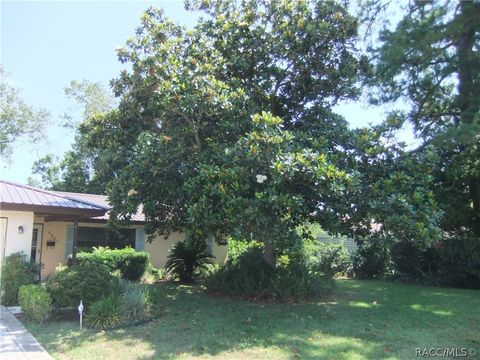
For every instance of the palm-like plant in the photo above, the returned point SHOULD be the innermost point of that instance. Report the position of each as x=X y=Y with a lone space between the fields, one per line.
x=186 y=257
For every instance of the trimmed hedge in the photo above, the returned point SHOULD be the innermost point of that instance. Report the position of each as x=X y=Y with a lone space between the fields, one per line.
x=131 y=264
x=36 y=302
x=88 y=282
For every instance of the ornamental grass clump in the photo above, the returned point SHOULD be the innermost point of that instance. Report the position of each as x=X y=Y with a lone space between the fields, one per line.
x=136 y=302
x=106 y=313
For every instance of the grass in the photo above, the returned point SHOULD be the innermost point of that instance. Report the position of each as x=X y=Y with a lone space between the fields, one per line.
x=363 y=320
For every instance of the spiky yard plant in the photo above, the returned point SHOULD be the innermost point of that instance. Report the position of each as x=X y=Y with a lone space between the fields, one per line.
x=187 y=257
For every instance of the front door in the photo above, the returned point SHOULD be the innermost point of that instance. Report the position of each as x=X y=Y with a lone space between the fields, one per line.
x=36 y=244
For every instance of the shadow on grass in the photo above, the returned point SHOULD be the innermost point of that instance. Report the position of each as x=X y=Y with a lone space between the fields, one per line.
x=371 y=321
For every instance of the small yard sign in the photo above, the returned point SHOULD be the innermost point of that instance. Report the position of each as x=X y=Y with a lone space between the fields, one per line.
x=80 y=312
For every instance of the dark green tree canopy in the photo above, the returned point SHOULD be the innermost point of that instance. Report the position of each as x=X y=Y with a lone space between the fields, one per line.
x=192 y=92
x=287 y=55
x=431 y=60
x=227 y=129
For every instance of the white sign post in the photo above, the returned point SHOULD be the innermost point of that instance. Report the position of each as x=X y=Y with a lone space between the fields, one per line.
x=80 y=312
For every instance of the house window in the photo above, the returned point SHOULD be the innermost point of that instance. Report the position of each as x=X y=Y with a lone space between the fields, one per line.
x=35 y=246
x=88 y=237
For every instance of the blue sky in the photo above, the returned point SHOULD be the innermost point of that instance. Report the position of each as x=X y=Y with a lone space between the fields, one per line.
x=45 y=45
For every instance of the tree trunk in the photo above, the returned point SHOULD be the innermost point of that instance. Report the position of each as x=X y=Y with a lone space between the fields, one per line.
x=468 y=90
x=475 y=196
x=269 y=254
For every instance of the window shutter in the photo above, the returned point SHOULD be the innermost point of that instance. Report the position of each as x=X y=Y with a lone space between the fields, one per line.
x=140 y=240
x=69 y=241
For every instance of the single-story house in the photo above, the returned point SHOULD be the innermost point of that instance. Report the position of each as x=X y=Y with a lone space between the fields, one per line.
x=40 y=223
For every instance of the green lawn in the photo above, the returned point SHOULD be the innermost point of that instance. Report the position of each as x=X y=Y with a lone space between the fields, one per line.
x=362 y=320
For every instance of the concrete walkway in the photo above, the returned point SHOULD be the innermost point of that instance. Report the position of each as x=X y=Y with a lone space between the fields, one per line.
x=16 y=343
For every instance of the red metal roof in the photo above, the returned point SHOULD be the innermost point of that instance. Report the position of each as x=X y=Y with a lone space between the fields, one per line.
x=13 y=194
x=18 y=194
x=100 y=200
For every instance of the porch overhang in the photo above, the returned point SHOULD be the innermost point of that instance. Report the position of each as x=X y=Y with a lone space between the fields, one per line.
x=54 y=213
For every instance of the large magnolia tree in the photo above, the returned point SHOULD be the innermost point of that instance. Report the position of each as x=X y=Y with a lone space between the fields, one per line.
x=227 y=129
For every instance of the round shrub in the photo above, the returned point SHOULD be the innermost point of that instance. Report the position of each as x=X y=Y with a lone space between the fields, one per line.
x=133 y=265
x=35 y=301
x=106 y=313
x=15 y=273
x=87 y=282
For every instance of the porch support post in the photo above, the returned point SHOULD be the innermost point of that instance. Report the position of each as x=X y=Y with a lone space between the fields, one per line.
x=75 y=237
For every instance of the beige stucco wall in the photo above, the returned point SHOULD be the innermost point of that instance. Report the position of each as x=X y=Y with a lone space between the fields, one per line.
x=14 y=241
x=53 y=256
x=220 y=253
x=159 y=247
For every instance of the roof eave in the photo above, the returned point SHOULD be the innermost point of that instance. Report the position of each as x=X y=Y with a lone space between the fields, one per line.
x=53 y=210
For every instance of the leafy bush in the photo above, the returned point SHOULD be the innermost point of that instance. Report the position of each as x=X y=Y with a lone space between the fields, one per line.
x=106 y=313
x=15 y=273
x=206 y=271
x=371 y=259
x=97 y=255
x=454 y=261
x=410 y=262
x=131 y=264
x=88 y=282
x=158 y=274
x=457 y=261
x=333 y=260
x=35 y=301
x=187 y=257
x=246 y=274
x=299 y=281
x=136 y=302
